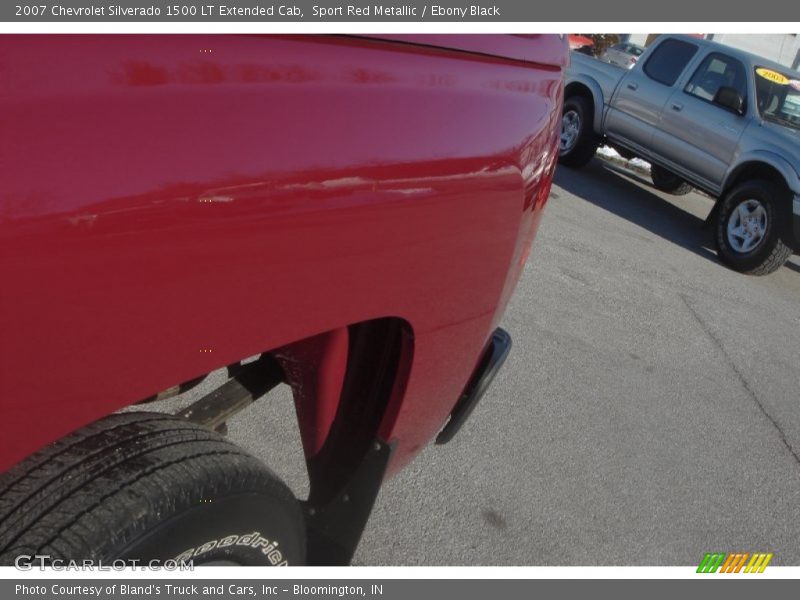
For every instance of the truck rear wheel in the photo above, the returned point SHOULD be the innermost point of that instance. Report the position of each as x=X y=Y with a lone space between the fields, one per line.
x=668 y=182
x=148 y=487
x=578 y=141
x=748 y=229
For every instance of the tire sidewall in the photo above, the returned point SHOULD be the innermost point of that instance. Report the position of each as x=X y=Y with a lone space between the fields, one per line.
x=577 y=104
x=254 y=528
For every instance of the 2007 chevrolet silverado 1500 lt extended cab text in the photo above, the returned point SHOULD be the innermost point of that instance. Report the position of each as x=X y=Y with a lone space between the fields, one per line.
x=722 y=120
x=355 y=212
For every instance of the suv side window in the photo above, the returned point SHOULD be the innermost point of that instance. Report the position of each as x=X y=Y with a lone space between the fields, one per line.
x=667 y=62
x=717 y=70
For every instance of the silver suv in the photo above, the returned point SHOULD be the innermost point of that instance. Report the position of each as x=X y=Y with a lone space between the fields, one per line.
x=704 y=115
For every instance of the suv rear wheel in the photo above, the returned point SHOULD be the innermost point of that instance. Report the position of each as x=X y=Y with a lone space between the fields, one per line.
x=578 y=142
x=148 y=486
x=668 y=182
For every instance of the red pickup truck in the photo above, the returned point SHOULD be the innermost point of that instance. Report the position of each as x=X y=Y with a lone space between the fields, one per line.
x=349 y=214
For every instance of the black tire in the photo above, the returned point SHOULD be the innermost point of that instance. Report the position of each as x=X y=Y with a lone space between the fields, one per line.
x=772 y=251
x=148 y=486
x=585 y=146
x=668 y=182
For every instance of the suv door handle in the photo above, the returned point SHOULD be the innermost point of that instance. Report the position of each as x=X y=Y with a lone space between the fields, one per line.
x=677 y=106
x=633 y=85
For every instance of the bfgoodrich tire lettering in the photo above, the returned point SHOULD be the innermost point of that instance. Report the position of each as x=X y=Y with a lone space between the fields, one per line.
x=148 y=486
x=772 y=251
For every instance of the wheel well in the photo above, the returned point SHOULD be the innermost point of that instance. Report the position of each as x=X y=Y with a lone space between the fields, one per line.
x=753 y=170
x=348 y=386
x=579 y=89
x=746 y=172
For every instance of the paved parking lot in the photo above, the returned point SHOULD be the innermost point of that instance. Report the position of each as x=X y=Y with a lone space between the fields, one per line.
x=649 y=411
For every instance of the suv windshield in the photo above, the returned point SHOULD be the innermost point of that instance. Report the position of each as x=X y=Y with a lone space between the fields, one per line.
x=778 y=97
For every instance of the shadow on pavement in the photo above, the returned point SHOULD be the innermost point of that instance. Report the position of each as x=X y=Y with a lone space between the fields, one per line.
x=620 y=192
x=792 y=267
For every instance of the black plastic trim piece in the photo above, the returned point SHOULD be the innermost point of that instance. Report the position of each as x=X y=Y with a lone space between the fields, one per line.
x=492 y=359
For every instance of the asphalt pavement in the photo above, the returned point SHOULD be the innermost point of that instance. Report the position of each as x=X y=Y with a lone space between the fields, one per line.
x=649 y=411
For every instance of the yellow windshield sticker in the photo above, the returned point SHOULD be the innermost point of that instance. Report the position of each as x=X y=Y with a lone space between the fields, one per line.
x=773 y=76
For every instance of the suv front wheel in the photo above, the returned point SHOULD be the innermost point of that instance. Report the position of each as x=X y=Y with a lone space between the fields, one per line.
x=748 y=231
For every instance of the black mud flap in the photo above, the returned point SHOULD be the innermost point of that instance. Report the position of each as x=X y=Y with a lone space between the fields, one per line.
x=335 y=527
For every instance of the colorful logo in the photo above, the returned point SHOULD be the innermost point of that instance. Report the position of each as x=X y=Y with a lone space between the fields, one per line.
x=734 y=562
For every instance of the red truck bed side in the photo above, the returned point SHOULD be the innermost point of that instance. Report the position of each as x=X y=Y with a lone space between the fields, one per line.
x=172 y=204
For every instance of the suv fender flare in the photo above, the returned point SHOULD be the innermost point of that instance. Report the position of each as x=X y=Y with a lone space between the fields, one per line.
x=757 y=158
x=583 y=85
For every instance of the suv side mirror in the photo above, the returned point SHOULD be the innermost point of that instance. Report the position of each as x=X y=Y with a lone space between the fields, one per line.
x=730 y=98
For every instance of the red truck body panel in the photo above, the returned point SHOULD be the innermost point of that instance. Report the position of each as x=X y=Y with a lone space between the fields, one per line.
x=172 y=204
